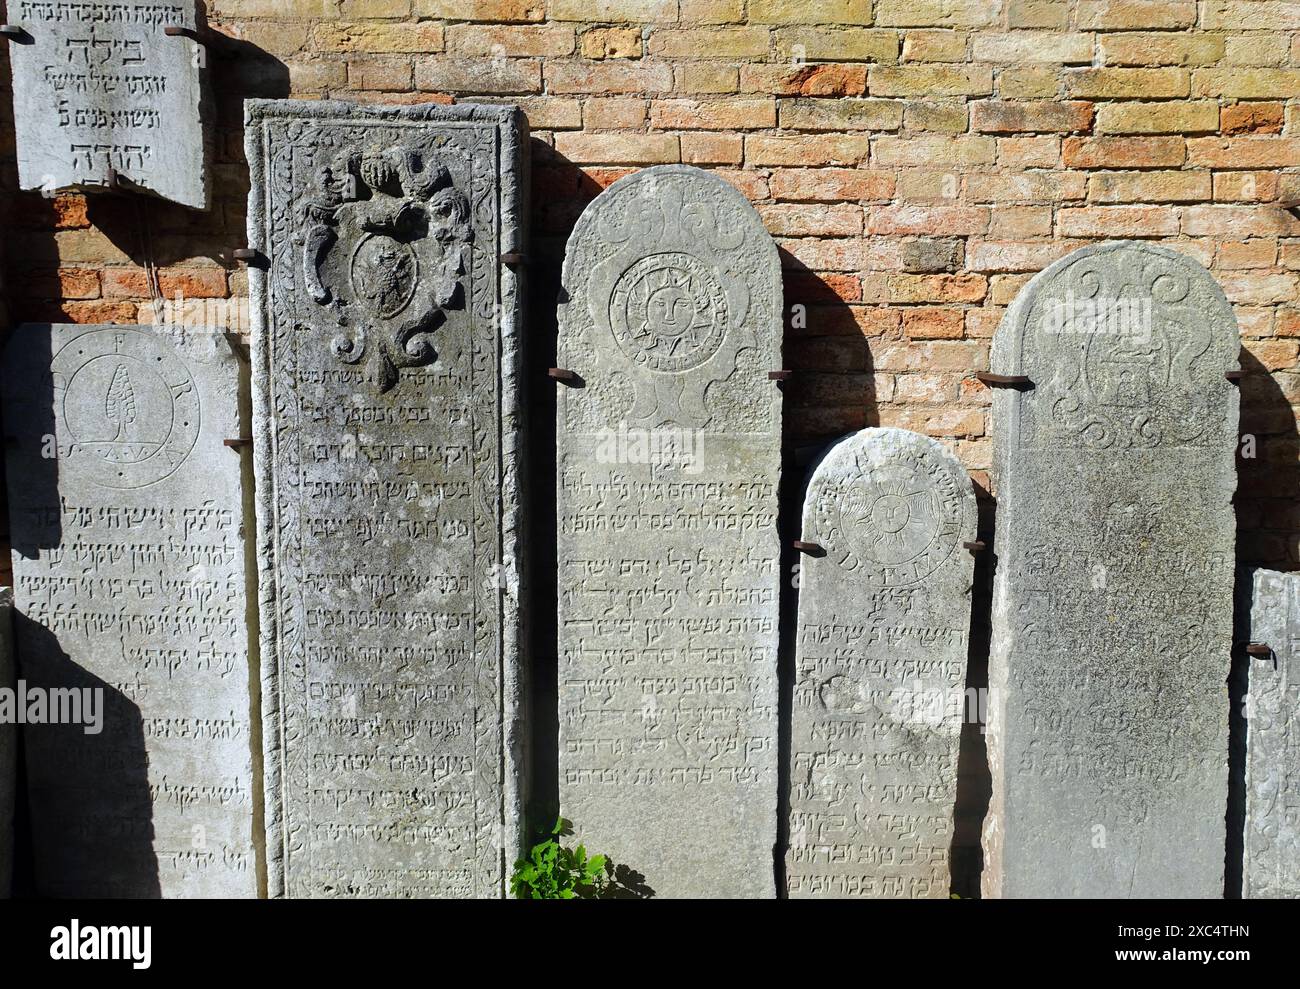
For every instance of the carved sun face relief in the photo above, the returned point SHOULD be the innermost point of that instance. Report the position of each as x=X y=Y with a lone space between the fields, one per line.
x=385 y=240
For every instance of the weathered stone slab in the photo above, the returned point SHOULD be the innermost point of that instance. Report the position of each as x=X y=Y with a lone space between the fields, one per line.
x=386 y=337
x=99 y=89
x=1112 y=609
x=668 y=461
x=131 y=612
x=880 y=669
x=1271 y=866
x=8 y=745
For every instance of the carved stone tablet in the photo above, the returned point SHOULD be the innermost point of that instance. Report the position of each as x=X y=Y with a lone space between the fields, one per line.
x=880 y=669
x=100 y=91
x=1112 y=609
x=131 y=612
x=668 y=464
x=386 y=337
x=8 y=744
x=1271 y=869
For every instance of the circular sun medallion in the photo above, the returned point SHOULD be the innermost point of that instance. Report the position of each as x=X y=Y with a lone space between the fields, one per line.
x=669 y=312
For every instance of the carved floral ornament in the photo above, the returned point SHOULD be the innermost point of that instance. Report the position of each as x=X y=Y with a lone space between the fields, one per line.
x=385 y=241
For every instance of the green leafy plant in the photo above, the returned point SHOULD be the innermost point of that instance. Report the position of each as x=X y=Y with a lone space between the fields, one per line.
x=551 y=871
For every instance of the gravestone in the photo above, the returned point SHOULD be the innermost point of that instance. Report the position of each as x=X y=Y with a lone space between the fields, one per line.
x=880 y=669
x=101 y=92
x=1271 y=866
x=1112 y=607
x=668 y=462
x=131 y=613
x=386 y=341
x=8 y=745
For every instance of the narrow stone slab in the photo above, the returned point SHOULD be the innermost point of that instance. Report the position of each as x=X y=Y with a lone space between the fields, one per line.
x=101 y=92
x=668 y=463
x=1271 y=868
x=880 y=669
x=127 y=526
x=386 y=338
x=1112 y=609
x=8 y=745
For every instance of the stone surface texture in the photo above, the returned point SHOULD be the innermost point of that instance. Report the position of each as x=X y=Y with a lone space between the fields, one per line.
x=130 y=584
x=386 y=338
x=1112 y=609
x=1271 y=866
x=880 y=669
x=99 y=88
x=668 y=462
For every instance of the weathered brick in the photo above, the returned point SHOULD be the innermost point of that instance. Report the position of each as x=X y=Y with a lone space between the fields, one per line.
x=935 y=46
x=1244 y=152
x=932 y=255
x=57 y=283
x=1149 y=187
x=1245 y=83
x=1246 y=187
x=708 y=148
x=1024 y=187
x=955 y=221
x=1020 y=47
x=1254 y=15
x=707 y=77
x=1127 y=83
x=614 y=113
x=999 y=116
x=1256 y=49
x=1113 y=15
x=840 y=114
x=611 y=11
x=510 y=40
x=929 y=188
x=610 y=42
x=1017 y=222
x=551 y=113
x=1123 y=152
x=821 y=149
x=607 y=78
x=947 y=117
x=821 y=184
x=1239 y=221
x=850 y=44
x=919 y=387
x=728 y=114
x=935 y=150
x=379 y=72
x=1183 y=117
x=1119 y=221
x=1260 y=253
x=316 y=75
x=715 y=42
x=1031 y=82
x=1252 y=118
x=942 y=355
x=1158 y=48
x=937 y=13
x=1002 y=256
x=811 y=220
x=802 y=12
x=930 y=80
x=1038 y=13
x=378 y=37
x=618 y=148
x=823 y=79
x=479 y=75
x=478 y=10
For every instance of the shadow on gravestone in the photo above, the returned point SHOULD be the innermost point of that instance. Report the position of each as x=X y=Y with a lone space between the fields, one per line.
x=1268 y=529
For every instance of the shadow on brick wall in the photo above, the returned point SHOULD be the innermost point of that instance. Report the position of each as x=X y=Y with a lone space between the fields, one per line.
x=1268 y=483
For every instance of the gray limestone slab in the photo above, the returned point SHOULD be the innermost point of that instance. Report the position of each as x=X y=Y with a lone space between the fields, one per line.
x=668 y=461
x=386 y=335
x=1271 y=865
x=1112 y=607
x=8 y=745
x=131 y=610
x=99 y=88
x=880 y=669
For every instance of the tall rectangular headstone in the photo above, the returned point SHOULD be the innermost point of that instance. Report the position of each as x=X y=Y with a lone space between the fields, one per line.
x=126 y=516
x=880 y=669
x=1112 y=608
x=668 y=462
x=386 y=334
x=1271 y=845
x=8 y=744
x=102 y=94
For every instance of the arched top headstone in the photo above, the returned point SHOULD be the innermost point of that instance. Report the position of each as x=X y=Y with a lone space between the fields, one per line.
x=673 y=291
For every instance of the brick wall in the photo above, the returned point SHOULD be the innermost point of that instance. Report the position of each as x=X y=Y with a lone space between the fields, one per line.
x=917 y=161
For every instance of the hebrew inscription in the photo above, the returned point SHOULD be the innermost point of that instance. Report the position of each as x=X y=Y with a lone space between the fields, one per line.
x=1271 y=869
x=1112 y=612
x=668 y=465
x=131 y=624
x=386 y=340
x=880 y=669
x=102 y=94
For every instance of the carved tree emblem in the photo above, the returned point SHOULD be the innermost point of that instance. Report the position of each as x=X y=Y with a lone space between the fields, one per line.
x=385 y=241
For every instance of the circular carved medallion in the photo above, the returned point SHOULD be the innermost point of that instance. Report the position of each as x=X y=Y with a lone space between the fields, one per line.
x=129 y=406
x=669 y=312
x=384 y=274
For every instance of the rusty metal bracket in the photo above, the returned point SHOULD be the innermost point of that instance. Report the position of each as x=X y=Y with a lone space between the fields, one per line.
x=513 y=259
x=975 y=546
x=812 y=549
x=180 y=31
x=782 y=375
x=1004 y=380
x=14 y=32
x=1258 y=649
x=235 y=444
x=1234 y=376
x=564 y=375
x=250 y=256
